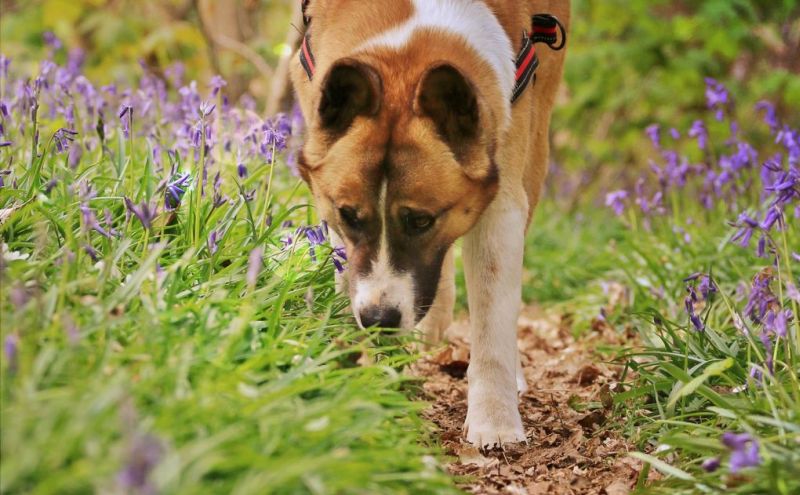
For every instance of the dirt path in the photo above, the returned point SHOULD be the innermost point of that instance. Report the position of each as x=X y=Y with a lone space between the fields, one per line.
x=573 y=448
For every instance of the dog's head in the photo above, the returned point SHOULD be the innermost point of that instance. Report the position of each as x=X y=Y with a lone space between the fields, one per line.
x=401 y=165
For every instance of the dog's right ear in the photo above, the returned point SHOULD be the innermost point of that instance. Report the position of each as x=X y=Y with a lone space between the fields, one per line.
x=350 y=89
x=449 y=99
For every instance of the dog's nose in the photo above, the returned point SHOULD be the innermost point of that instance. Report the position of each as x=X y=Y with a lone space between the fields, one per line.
x=377 y=316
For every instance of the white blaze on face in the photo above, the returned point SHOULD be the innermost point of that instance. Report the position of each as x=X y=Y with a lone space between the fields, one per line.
x=384 y=287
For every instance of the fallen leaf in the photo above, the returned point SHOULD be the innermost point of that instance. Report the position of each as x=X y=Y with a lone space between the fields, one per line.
x=468 y=454
x=618 y=487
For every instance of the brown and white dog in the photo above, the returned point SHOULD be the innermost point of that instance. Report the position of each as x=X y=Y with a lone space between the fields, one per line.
x=412 y=143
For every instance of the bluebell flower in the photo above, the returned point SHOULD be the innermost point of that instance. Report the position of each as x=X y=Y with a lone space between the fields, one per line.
x=761 y=298
x=144 y=454
x=51 y=40
x=616 y=200
x=216 y=84
x=90 y=221
x=746 y=226
x=143 y=211
x=744 y=450
x=711 y=464
x=770 y=117
x=175 y=190
x=717 y=97
x=213 y=238
x=653 y=131
x=10 y=350
x=699 y=132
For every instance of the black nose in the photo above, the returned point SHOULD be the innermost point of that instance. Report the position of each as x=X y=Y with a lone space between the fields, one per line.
x=377 y=316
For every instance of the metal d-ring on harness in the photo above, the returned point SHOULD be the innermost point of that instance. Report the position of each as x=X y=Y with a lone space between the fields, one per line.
x=546 y=29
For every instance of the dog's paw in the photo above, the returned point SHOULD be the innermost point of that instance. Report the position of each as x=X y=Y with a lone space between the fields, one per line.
x=491 y=423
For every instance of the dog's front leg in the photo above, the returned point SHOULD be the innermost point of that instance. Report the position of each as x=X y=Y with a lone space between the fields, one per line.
x=493 y=252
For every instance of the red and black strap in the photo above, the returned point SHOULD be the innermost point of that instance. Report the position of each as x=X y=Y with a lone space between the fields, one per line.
x=306 y=56
x=546 y=30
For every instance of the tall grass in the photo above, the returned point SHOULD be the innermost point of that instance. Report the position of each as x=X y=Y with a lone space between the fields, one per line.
x=166 y=326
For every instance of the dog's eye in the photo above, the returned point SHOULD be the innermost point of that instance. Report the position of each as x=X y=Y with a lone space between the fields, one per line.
x=350 y=217
x=417 y=223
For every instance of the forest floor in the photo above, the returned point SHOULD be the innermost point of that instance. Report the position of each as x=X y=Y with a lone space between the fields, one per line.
x=574 y=445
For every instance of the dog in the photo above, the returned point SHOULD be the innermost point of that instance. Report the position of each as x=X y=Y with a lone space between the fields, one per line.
x=412 y=143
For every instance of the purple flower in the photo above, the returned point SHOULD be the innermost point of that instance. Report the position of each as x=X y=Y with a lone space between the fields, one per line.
x=616 y=200
x=761 y=298
x=653 y=131
x=219 y=199
x=253 y=266
x=74 y=157
x=339 y=257
x=241 y=170
x=790 y=139
x=143 y=211
x=770 y=118
x=51 y=40
x=717 y=97
x=5 y=62
x=777 y=321
x=126 y=118
x=699 y=132
x=761 y=249
x=711 y=464
x=746 y=225
x=144 y=454
x=10 y=350
x=90 y=221
x=92 y=252
x=4 y=144
x=792 y=292
x=693 y=318
x=315 y=235
x=744 y=450
x=206 y=109
x=213 y=238
x=174 y=191
x=216 y=84
x=62 y=138
x=772 y=216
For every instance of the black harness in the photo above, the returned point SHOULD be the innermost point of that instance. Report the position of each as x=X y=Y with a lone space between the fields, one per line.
x=545 y=29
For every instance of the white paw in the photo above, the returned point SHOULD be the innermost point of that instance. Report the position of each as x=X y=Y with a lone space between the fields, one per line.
x=492 y=420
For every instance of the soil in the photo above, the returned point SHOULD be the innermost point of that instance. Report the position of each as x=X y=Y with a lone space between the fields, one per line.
x=574 y=442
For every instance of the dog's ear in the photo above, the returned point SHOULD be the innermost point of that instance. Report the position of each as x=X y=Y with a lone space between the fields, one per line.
x=350 y=89
x=449 y=99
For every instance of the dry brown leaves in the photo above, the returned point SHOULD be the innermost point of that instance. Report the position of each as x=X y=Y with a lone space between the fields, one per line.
x=570 y=450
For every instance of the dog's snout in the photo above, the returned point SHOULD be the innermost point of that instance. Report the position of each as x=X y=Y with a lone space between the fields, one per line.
x=377 y=316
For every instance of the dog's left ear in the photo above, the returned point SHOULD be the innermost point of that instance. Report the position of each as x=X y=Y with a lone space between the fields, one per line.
x=350 y=89
x=450 y=100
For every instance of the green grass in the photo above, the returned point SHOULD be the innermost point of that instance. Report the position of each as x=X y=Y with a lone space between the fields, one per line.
x=682 y=388
x=161 y=346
